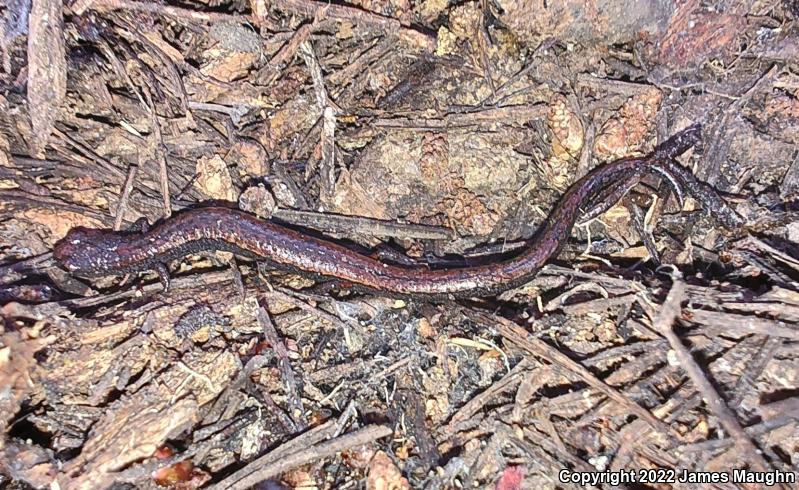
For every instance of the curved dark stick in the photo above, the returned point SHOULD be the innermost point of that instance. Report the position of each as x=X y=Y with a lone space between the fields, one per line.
x=94 y=252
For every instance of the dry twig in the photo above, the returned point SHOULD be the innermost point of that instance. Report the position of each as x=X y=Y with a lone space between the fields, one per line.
x=514 y=333
x=289 y=380
x=303 y=450
x=668 y=314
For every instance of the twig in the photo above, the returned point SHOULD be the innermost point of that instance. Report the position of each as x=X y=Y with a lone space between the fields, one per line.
x=123 y=199
x=767 y=266
x=411 y=82
x=511 y=115
x=520 y=337
x=332 y=319
x=531 y=64
x=234 y=112
x=721 y=141
x=299 y=37
x=558 y=301
x=327 y=170
x=623 y=285
x=489 y=395
x=625 y=350
x=73 y=140
x=751 y=242
x=408 y=406
x=296 y=412
x=358 y=16
x=483 y=43
x=308 y=439
x=345 y=82
x=192 y=281
x=545 y=448
x=158 y=143
x=360 y=225
x=668 y=314
x=263 y=469
x=351 y=370
x=586 y=160
x=389 y=370
x=328 y=112
x=19 y=270
x=639 y=222
x=620 y=87
x=489 y=455
x=755 y=367
x=21 y=200
x=155 y=8
x=599 y=304
x=641 y=363
x=720 y=322
x=349 y=413
x=244 y=379
x=315 y=70
x=120 y=69
x=759 y=429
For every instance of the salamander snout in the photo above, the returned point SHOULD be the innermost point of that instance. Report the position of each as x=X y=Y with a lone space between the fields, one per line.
x=87 y=251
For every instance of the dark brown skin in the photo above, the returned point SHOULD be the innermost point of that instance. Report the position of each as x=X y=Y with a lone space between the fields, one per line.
x=95 y=252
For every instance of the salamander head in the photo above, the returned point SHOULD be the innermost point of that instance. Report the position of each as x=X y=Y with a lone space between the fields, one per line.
x=88 y=251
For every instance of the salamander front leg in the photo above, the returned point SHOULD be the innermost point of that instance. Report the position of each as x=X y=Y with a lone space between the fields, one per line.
x=163 y=274
x=141 y=225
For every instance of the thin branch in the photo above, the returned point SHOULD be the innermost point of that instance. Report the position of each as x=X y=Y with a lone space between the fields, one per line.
x=358 y=16
x=293 y=398
x=663 y=323
x=267 y=466
x=520 y=337
x=123 y=199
